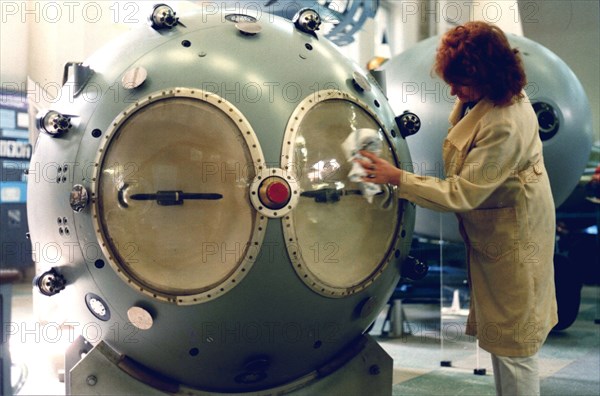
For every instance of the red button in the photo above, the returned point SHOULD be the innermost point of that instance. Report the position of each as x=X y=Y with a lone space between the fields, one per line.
x=278 y=193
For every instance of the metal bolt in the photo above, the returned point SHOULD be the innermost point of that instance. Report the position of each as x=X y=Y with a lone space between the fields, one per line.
x=140 y=318
x=360 y=82
x=132 y=79
x=78 y=198
x=54 y=123
x=50 y=282
x=367 y=306
x=307 y=20
x=374 y=370
x=91 y=380
x=409 y=123
x=163 y=17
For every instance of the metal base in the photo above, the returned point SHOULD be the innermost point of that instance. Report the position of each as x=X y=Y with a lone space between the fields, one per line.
x=103 y=371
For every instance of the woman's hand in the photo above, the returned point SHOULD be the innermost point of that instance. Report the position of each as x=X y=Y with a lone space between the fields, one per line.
x=379 y=170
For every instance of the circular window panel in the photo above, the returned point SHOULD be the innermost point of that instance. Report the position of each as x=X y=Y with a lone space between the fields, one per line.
x=173 y=172
x=339 y=239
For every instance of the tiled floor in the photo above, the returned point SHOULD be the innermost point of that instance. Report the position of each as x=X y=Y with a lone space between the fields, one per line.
x=569 y=361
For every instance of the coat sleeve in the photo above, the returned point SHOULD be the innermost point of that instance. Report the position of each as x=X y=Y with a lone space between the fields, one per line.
x=491 y=161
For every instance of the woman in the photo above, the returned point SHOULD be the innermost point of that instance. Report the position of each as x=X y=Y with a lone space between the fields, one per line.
x=497 y=185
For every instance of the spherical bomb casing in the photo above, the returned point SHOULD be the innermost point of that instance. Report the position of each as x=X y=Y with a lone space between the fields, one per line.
x=174 y=261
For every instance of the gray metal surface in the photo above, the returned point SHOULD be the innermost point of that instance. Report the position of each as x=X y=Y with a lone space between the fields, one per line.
x=367 y=371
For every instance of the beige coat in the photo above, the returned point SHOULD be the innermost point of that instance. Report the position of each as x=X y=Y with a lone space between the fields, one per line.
x=497 y=184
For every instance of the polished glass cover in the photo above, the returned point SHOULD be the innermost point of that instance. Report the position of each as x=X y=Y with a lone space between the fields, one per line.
x=173 y=196
x=342 y=239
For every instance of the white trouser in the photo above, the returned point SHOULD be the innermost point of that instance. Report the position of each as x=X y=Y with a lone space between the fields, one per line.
x=516 y=376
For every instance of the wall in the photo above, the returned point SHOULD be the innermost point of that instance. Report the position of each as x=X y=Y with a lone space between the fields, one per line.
x=39 y=37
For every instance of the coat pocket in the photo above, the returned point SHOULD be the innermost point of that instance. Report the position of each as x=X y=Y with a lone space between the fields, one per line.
x=492 y=233
x=453 y=158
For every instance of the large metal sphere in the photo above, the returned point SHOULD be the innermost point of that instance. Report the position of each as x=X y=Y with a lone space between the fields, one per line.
x=201 y=207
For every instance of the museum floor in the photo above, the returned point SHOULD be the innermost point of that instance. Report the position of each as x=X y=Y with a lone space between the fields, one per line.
x=569 y=361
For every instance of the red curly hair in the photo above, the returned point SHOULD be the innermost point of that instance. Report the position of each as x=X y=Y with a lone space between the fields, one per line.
x=478 y=54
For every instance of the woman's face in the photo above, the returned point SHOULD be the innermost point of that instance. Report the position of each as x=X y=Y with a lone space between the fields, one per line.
x=465 y=93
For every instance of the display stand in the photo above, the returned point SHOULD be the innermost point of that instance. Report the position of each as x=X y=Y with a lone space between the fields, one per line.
x=103 y=371
x=395 y=319
x=456 y=348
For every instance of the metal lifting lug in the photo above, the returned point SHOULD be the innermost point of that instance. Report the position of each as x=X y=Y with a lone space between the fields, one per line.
x=163 y=17
x=77 y=74
x=413 y=269
x=54 y=123
x=307 y=20
x=408 y=123
x=50 y=282
x=548 y=120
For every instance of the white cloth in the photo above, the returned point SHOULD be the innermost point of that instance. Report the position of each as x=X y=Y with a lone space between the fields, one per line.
x=516 y=376
x=362 y=139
